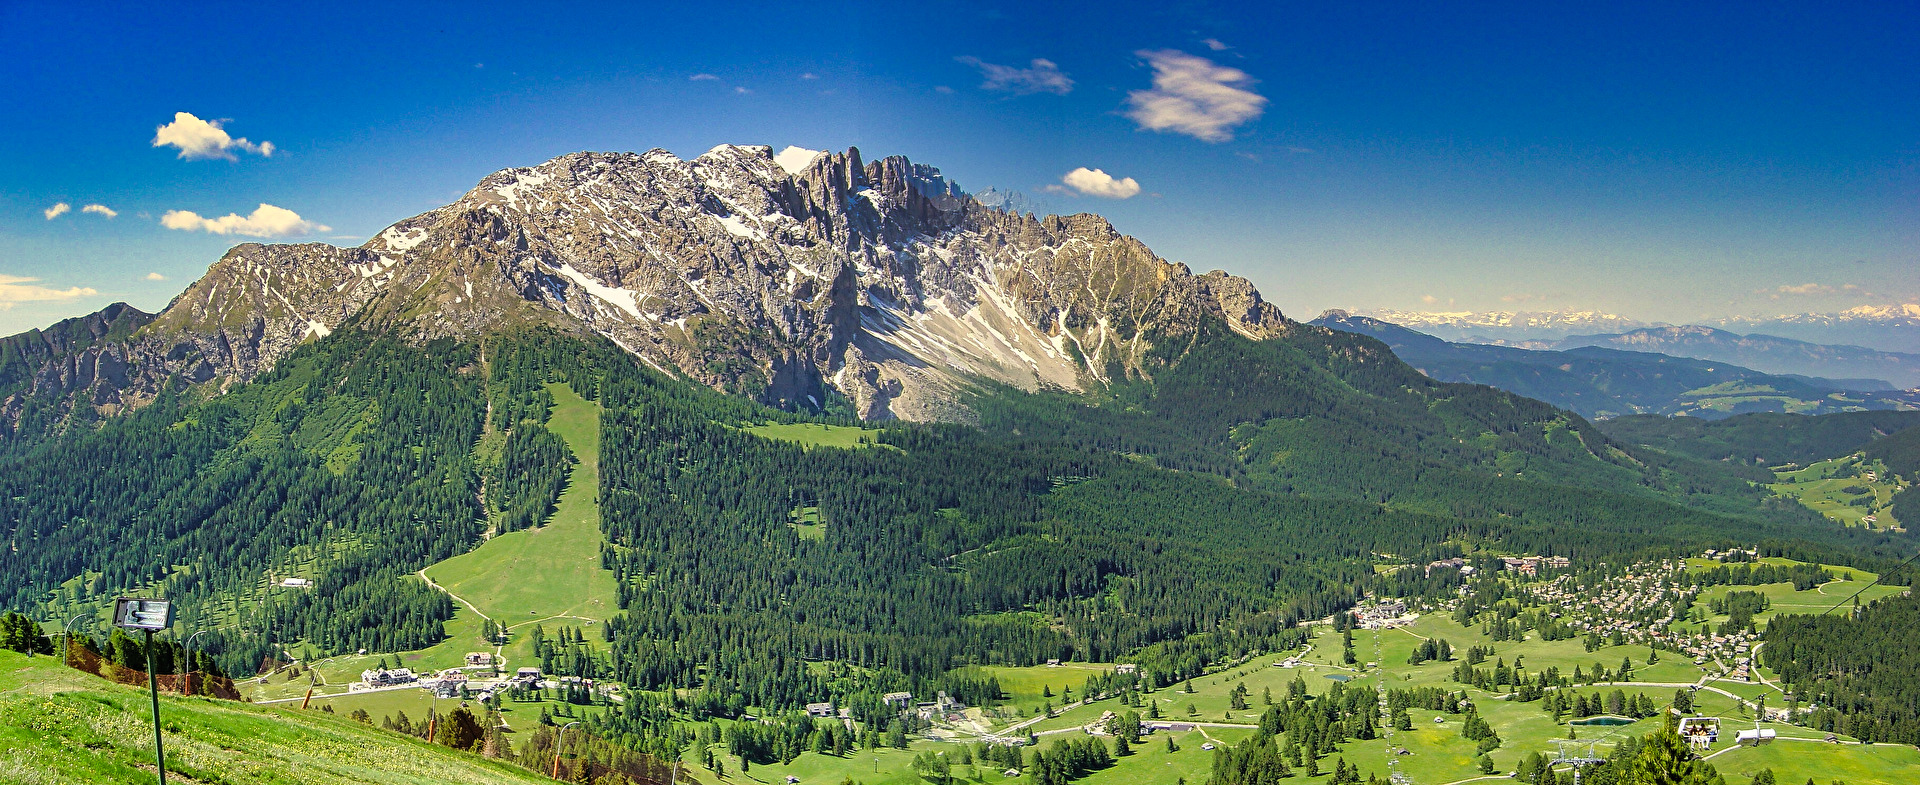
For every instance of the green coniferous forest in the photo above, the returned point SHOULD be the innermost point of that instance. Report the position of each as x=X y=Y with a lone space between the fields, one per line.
x=1194 y=512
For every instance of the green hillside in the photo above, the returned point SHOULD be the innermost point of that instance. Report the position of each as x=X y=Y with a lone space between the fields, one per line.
x=63 y=726
x=1761 y=440
x=1850 y=490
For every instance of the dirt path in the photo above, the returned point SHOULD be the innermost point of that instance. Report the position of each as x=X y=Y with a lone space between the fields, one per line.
x=499 y=658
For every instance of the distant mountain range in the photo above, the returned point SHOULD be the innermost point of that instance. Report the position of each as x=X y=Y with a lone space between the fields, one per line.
x=1892 y=328
x=1887 y=328
x=1504 y=327
x=1857 y=348
x=1602 y=379
x=1853 y=366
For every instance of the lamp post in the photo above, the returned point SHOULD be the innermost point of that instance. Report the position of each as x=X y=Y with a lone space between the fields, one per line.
x=190 y=640
x=433 y=712
x=66 y=657
x=557 y=739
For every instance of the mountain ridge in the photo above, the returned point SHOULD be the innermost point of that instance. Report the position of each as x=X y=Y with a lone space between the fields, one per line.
x=1600 y=379
x=880 y=284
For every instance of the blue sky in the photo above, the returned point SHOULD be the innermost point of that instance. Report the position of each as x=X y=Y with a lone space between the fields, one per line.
x=1664 y=163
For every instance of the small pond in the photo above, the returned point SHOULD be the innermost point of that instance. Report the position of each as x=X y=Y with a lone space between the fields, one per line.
x=1339 y=677
x=1607 y=722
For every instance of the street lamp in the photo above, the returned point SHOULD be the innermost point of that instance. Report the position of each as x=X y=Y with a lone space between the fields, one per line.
x=557 y=739
x=66 y=657
x=433 y=711
x=190 y=640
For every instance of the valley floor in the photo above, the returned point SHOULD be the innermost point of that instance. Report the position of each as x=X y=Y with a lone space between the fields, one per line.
x=1436 y=753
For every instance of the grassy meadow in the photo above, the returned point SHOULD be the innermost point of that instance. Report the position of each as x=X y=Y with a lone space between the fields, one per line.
x=63 y=726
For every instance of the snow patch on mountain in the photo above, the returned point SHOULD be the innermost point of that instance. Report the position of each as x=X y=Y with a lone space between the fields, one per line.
x=402 y=242
x=624 y=299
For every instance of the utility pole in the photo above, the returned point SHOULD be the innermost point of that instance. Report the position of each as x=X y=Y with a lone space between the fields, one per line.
x=148 y=615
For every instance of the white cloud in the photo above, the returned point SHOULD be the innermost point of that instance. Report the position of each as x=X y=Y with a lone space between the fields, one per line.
x=742 y=90
x=1810 y=290
x=1042 y=77
x=199 y=139
x=1215 y=45
x=156 y=277
x=57 y=210
x=1429 y=299
x=15 y=289
x=100 y=209
x=703 y=78
x=809 y=76
x=1095 y=182
x=1526 y=297
x=265 y=221
x=943 y=89
x=1194 y=96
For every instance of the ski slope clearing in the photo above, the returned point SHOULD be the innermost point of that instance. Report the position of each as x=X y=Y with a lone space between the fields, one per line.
x=550 y=571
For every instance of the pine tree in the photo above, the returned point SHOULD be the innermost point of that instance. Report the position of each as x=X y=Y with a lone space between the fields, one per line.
x=1665 y=760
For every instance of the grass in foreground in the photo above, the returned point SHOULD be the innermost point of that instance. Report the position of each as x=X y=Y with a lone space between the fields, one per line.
x=60 y=726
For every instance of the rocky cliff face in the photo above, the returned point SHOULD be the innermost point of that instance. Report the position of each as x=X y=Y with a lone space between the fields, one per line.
x=790 y=278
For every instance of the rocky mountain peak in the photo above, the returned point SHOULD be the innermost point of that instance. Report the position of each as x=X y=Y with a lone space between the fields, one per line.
x=797 y=278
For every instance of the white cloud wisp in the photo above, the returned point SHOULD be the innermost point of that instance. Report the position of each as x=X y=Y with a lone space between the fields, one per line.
x=1096 y=182
x=15 y=289
x=198 y=139
x=265 y=221
x=101 y=210
x=57 y=210
x=1194 y=96
x=1042 y=76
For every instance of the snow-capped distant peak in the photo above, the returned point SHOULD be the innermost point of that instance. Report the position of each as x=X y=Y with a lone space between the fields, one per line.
x=795 y=159
x=1905 y=310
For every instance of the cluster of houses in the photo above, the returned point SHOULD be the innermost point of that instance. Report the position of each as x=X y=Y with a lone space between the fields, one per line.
x=1380 y=614
x=452 y=682
x=1530 y=565
x=828 y=711
x=1638 y=606
x=385 y=677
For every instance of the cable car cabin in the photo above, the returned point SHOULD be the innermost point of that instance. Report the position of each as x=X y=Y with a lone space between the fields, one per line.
x=1755 y=737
